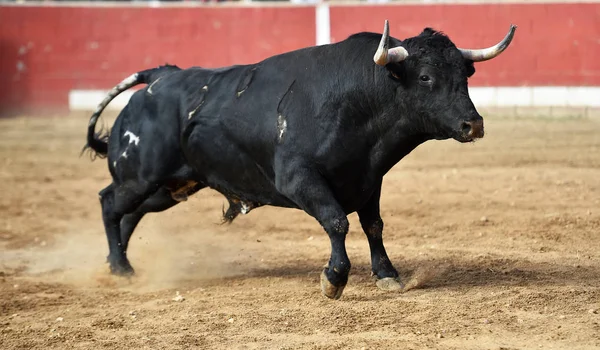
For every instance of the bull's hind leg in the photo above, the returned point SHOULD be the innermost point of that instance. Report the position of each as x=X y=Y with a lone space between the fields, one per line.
x=117 y=201
x=160 y=201
x=381 y=266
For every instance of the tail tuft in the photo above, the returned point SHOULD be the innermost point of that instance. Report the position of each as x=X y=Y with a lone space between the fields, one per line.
x=97 y=144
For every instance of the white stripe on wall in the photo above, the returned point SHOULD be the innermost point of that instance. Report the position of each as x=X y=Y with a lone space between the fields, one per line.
x=87 y=100
x=536 y=96
x=323 y=29
x=525 y=96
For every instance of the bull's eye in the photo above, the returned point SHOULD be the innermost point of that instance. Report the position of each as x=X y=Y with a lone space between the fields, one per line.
x=424 y=78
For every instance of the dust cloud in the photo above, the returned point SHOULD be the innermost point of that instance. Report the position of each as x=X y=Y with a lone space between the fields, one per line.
x=424 y=274
x=161 y=260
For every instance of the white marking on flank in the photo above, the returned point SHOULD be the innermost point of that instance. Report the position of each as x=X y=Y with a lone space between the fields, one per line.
x=124 y=155
x=245 y=209
x=282 y=130
x=281 y=126
x=151 y=85
x=191 y=114
x=132 y=137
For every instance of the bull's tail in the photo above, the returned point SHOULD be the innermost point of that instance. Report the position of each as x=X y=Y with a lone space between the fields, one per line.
x=97 y=142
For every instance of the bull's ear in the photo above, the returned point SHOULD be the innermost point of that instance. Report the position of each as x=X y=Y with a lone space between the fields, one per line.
x=470 y=68
x=397 y=71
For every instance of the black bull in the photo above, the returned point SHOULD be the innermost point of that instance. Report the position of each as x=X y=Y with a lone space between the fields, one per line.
x=314 y=129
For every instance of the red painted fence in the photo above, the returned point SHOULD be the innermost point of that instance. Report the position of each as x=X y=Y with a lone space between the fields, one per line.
x=45 y=52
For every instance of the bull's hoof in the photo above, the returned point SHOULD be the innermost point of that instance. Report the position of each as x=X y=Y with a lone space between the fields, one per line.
x=328 y=289
x=390 y=284
x=122 y=269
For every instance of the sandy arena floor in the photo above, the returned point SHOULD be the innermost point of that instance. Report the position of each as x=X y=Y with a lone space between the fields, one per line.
x=500 y=237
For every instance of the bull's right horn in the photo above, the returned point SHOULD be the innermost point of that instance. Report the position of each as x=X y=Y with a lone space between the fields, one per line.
x=384 y=54
x=479 y=55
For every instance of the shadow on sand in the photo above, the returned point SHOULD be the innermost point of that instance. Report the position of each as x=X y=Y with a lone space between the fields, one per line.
x=451 y=274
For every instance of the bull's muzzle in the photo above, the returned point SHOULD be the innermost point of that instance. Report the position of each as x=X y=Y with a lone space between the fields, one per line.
x=473 y=129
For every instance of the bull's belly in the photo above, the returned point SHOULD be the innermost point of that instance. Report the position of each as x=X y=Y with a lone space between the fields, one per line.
x=226 y=168
x=242 y=183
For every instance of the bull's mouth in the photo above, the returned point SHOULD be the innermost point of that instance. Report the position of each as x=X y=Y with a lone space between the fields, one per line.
x=464 y=138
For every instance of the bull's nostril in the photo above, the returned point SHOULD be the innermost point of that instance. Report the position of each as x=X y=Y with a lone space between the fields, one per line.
x=466 y=128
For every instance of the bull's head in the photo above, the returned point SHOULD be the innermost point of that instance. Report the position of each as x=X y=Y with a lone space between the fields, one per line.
x=431 y=74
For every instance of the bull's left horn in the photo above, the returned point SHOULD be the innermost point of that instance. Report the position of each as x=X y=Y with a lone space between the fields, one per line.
x=491 y=52
x=384 y=54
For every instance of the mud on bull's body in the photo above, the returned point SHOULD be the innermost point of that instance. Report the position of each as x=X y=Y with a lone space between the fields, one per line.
x=314 y=129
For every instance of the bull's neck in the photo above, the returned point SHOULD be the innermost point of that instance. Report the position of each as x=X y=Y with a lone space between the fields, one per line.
x=391 y=144
x=389 y=133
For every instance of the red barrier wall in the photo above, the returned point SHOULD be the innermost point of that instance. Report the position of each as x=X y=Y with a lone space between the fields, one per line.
x=555 y=44
x=47 y=51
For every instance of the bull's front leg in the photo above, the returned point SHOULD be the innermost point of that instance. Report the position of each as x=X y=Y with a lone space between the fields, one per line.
x=381 y=266
x=310 y=192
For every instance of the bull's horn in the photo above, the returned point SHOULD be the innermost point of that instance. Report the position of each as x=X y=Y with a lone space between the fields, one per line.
x=490 y=52
x=384 y=54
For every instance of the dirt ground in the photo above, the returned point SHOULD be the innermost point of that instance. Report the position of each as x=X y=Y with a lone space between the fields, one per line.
x=500 y=240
